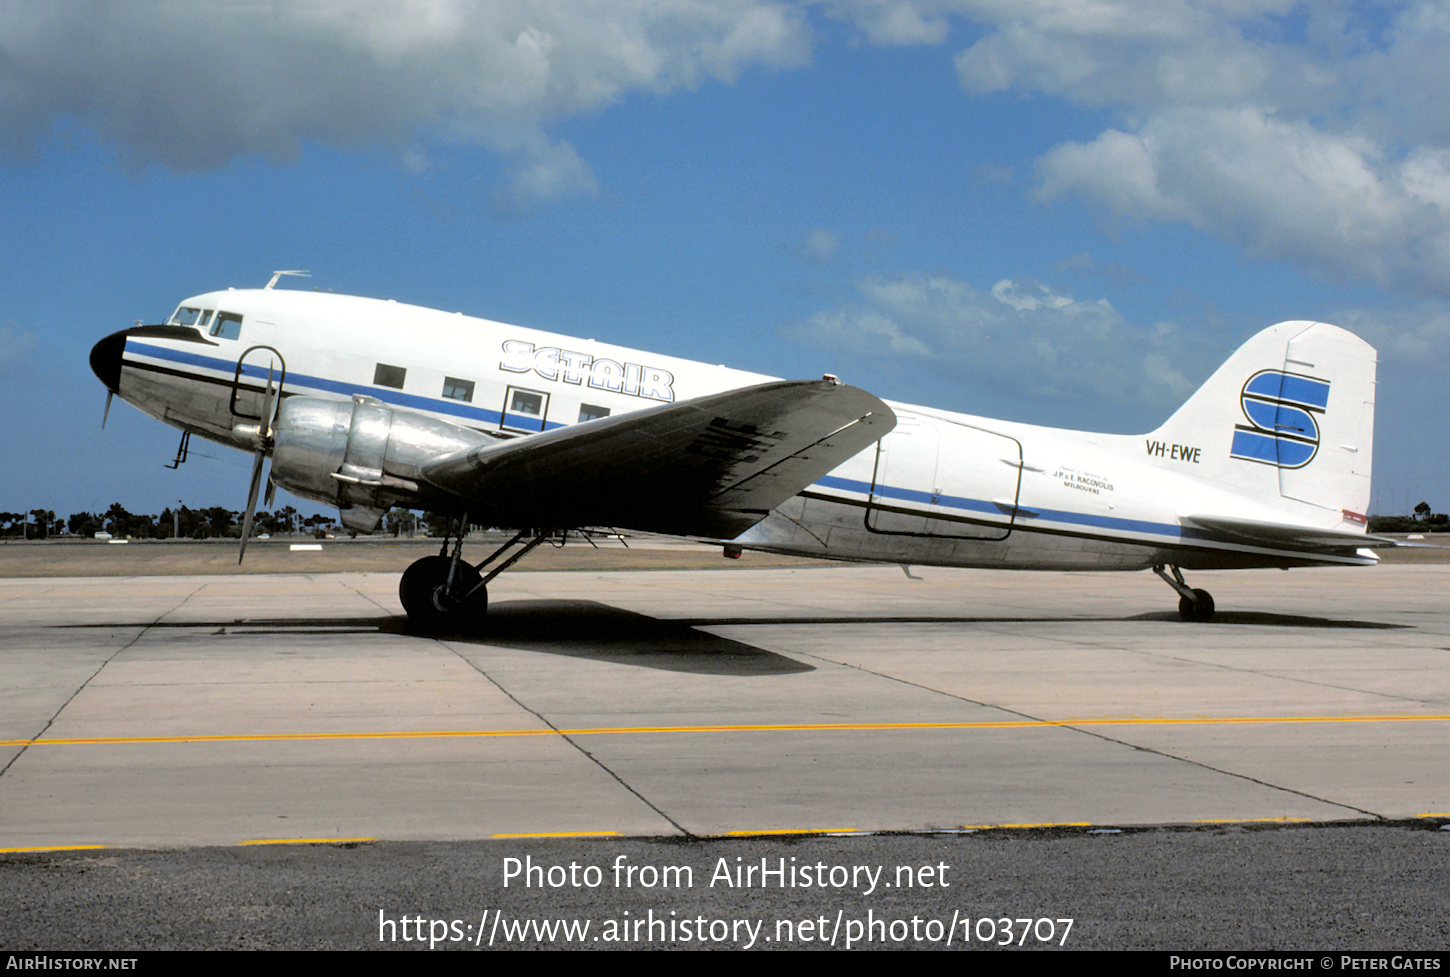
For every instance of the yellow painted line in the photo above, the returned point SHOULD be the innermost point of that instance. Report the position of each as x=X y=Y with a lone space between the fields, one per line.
x=560 y=834
x=1042 y=824
x=744 y=728
x=1434 y=814
x=790 y=831
x=305 y=841
x=11 y=851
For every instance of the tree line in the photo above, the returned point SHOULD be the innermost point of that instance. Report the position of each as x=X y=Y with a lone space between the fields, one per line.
x=1422 y=520
x=220 y=522
x=213 y=522
x=182 y=522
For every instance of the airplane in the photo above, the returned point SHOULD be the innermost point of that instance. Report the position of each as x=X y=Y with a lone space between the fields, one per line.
x=368 y=404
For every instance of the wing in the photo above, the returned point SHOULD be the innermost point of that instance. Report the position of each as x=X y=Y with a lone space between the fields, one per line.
x=1287 y=536
x=713 y=466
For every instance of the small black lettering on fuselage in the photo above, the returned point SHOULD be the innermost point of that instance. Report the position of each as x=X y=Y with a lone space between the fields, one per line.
x=1173 y=452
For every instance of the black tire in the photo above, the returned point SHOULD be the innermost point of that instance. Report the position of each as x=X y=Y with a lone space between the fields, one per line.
x=1196 y=610
x=430 y=609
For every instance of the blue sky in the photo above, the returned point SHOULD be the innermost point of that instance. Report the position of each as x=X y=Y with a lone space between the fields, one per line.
x=1053 y=211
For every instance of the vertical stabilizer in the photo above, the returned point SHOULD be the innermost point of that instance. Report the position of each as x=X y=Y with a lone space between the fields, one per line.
x=1289 y=419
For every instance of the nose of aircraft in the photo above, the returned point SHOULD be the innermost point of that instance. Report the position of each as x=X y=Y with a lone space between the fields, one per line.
x=106 y=360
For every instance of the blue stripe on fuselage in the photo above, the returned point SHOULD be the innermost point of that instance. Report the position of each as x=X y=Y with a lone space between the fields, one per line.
x=1171 y=530
x=388 y=394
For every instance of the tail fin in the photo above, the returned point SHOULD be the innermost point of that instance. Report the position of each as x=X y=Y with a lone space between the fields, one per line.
x=1288 y=419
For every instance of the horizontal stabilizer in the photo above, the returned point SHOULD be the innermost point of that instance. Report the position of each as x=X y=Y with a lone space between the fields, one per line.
x=712 y=466
x=1285 y=536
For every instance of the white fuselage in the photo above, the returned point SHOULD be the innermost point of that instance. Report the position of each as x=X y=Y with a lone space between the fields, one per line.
x=942 y=488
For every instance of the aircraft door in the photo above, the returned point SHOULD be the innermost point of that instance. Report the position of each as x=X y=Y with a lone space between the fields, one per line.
x=249 y=382
x=905 y=461
x=944 y=480
x=978 y=481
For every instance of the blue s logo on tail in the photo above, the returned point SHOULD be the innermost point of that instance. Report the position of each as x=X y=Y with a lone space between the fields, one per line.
x=1280 y=408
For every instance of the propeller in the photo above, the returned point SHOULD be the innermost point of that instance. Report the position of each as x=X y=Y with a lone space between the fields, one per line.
x=264 y=444
x=107 y=414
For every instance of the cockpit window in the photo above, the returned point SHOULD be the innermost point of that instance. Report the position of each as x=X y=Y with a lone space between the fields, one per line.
x=228 y=325
x=186 y=316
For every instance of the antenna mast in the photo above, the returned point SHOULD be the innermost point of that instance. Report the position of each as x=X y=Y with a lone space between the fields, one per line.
x=278 y=274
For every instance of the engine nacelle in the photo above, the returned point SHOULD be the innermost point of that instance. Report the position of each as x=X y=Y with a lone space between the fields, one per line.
x=362 y=456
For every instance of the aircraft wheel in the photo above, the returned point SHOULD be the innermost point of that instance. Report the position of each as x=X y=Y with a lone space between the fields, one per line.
x=1196 y=610
x=431 y=609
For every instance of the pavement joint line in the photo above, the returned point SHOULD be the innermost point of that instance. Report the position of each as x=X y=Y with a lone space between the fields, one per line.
x=743 y=728
x=26 y=744
x=570 y=739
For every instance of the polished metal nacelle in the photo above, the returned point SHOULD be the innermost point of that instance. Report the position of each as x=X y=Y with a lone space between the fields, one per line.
x=362 y=456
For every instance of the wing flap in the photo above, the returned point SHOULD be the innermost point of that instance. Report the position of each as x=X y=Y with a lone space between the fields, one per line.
x=712 y=466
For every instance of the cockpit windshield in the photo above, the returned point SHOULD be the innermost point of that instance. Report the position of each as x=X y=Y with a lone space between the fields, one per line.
x=189 y=316
x=228 y=325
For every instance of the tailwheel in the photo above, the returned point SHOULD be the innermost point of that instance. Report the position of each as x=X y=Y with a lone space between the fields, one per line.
x=1198 y=609
x=432 y=605
x=1193 y=605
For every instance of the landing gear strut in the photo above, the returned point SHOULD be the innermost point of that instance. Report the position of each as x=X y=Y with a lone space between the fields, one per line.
x=1193 y=605
x=445 y=593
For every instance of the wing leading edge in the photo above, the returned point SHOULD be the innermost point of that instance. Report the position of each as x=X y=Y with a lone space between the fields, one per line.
x=713 y=466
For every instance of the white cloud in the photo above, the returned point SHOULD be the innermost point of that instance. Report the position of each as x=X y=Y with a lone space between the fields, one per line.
x=1304 y=131
x=861 y=332
x=895 y=22
x=193 y=85
x=544 y=171
x=1413 y=337
x=1283 y=189
x=1019 y=336
x=1028 y=295
x=1103 y=52
x=822 y=245
x=15 y=343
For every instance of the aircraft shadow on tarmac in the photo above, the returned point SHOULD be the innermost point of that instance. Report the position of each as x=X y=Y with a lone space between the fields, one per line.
x=598 y=632
x=587 y=629
x=1266 y=619
x=573 y=628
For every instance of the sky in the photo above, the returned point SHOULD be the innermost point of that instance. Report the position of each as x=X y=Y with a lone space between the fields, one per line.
x=1063 y=212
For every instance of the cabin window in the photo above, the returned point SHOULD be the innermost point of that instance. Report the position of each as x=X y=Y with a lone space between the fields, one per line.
x=524 y=410
x=526 y=402
x=389 y=376
x=589 y=412
x=228 y=325
x=456 y=389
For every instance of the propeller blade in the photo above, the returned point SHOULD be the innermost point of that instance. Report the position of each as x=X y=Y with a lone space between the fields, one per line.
x=252 y=501
x=107 y=414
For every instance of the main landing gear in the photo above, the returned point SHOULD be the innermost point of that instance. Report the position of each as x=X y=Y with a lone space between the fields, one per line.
x=1193 y=605
x=444 y=593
